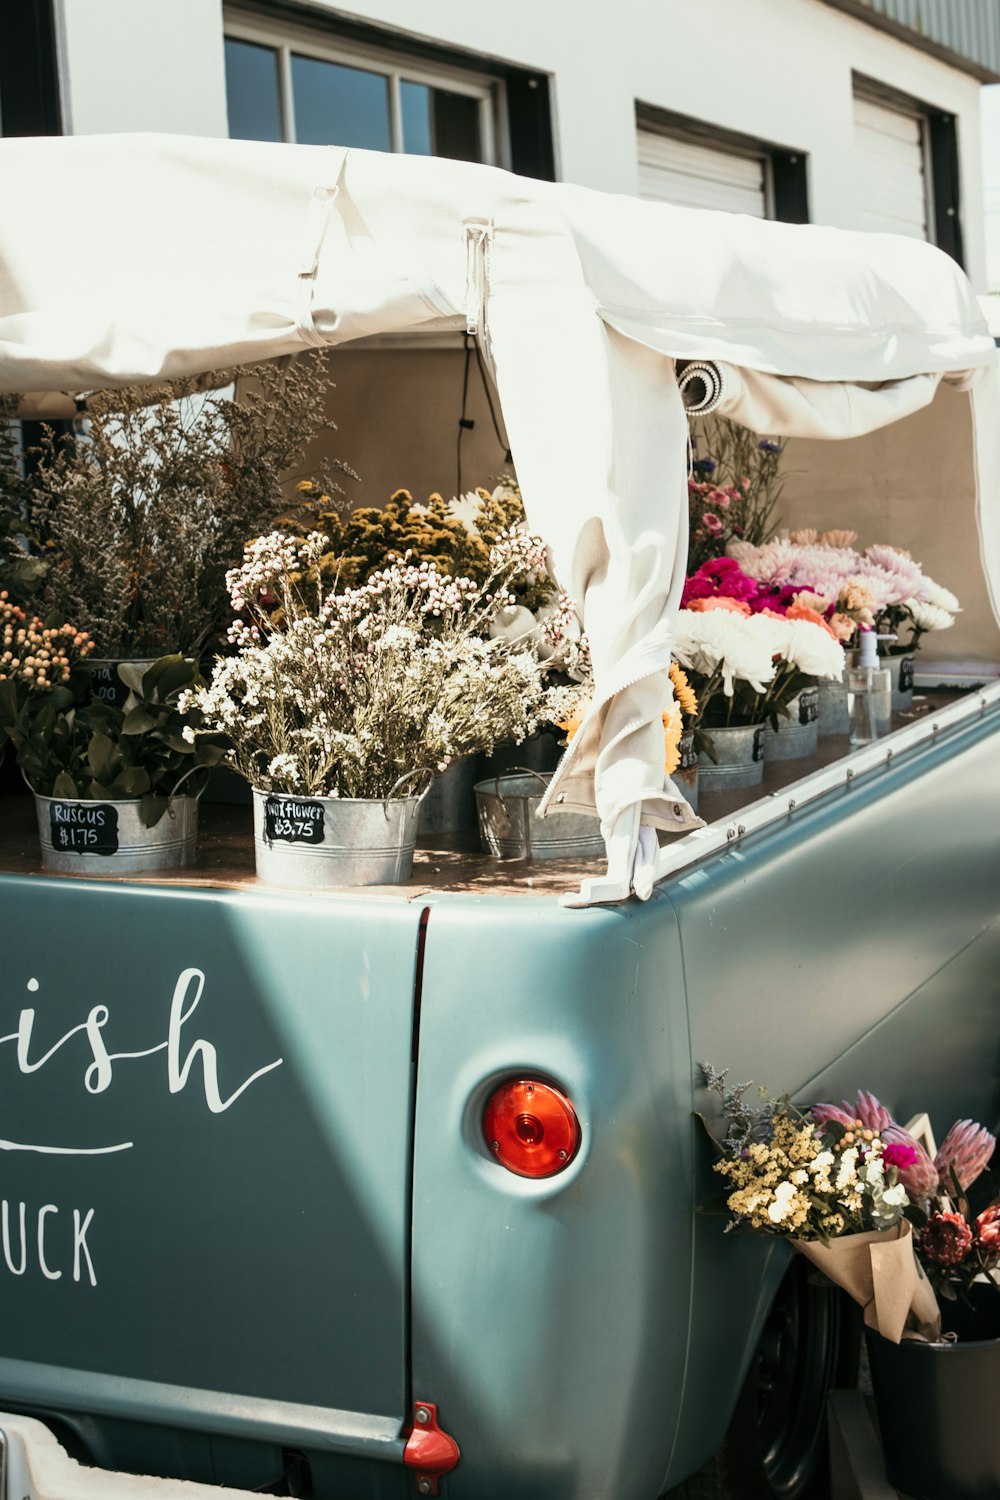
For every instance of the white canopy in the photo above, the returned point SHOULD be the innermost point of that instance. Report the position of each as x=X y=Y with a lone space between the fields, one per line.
x=125 y=259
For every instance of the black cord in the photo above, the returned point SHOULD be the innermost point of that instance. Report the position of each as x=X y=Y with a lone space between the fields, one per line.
x=466 y=422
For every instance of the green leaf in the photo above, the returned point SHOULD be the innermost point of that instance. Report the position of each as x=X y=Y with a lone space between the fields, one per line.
x=65 y=786
x=135 y=781
x=104 y=756
x=138 y=721
x=131 y=675
x=151 y=809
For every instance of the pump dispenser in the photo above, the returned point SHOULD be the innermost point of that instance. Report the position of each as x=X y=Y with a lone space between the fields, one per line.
x=869 y=688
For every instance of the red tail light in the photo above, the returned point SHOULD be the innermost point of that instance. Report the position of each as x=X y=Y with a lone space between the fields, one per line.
x=531 y=1128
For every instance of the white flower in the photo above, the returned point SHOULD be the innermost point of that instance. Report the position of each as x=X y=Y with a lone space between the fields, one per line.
x=895 y=1196
x=821 y=1161
x=782 y=1204
x=799 y=1177
x=928 y=616
x=187 y=733
x=942 y=598
x=720 y=639
x=846 y=1170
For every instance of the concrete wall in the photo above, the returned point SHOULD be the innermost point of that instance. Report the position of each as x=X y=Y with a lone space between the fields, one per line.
x=779 y=70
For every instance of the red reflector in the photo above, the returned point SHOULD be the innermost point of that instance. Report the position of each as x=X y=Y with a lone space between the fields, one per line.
x=531 y=1128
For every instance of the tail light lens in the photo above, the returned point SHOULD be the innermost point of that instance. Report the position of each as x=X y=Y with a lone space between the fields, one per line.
x=531 y=1128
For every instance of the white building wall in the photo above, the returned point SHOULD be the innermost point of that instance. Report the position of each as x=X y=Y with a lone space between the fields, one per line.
x=779 y=70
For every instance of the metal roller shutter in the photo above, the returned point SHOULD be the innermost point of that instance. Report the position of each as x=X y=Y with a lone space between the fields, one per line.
x=674 y=170
x=892 y=180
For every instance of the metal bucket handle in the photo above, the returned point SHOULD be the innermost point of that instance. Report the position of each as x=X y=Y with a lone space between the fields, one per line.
x=406 y=776
x=197 y=795
x=525 y=771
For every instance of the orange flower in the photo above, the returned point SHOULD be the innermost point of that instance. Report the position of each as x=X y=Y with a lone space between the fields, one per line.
x=683 y=691
x=718 y=601
x=803 y=612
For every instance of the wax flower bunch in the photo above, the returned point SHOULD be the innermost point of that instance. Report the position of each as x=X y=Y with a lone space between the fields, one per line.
x=747 y=659
x=36 y=660
x=342 y=694
x=881 y=588
x=956 y=1245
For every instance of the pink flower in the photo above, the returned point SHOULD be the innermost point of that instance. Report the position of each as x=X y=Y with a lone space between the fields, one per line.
x=965 y=1150
x=872 y=1114
x=843 y=1114
x=920 y=1178
x=946 y=1239
x=988 y=1229
x=899 y=1156
x=711 y=522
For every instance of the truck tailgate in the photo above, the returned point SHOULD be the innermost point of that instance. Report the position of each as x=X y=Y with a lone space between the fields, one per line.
x=205 y=1117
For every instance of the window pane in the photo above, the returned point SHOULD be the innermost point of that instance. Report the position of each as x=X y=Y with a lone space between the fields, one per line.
x=252 y=92
x=439 y=123
x=340 y=106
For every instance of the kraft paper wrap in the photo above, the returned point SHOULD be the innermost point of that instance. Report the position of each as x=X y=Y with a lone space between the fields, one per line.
x=880 y=1271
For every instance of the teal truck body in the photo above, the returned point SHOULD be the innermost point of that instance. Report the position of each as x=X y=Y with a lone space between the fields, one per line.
x=261 y=1222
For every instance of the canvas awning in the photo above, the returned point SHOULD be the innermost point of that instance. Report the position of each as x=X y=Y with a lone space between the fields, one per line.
x=131 y=258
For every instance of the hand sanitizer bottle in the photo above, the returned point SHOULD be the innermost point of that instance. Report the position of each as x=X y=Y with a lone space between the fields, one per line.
x=869 y=688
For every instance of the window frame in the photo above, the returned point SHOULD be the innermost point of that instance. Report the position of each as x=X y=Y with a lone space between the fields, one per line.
x=288 y=37
x=785 y=170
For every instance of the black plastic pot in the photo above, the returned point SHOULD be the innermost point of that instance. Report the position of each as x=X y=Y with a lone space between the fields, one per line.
x=937 y=1407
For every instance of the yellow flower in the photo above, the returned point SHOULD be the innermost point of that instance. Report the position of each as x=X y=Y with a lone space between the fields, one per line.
x=576 y=717
x=672 y=729
x=304 y=486
x=683 y=691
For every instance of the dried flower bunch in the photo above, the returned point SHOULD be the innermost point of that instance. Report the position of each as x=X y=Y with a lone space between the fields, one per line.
x=21 y=571
x=143 y=513
x=956 y=1245
x=788 y=1173
x=881 y=588
x=343 y=693
x=455 y=536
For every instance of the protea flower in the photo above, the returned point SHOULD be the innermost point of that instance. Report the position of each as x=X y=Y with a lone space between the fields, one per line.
x=920 y=1178
x=946 y=1239
x=965 y=1150
x=872 y=1114
x=843 y=1114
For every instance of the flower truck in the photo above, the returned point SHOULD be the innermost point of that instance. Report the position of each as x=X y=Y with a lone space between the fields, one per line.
x=373 y=1191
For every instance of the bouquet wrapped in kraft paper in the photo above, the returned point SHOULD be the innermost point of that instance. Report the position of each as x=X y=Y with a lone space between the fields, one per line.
x=863 y=1200
x=879 y=1270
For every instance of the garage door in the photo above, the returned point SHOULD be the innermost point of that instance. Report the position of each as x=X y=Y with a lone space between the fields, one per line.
x=692 y=175
x=891 y=173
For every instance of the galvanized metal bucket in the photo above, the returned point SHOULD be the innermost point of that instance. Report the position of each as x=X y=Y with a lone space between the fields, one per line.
x=833 y=713
x=740 y=754
x=901 y=677
x=797 y=736
x=450 y=805
x=685 y=778
x=510 y=828
x=85 y=837
x=316 y=842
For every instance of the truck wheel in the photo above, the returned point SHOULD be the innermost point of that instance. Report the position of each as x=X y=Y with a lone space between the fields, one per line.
x=776 y=1446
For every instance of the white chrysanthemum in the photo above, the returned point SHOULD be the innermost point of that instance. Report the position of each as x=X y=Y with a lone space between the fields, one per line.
x=942 y=598
x=705 y=641
x=812 y=650
x=928 y=616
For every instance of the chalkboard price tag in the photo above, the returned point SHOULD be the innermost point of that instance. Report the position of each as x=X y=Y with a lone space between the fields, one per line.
x=293 y=820
x=84 y=828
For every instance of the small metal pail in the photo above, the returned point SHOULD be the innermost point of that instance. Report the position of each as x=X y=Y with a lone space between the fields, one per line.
x=450 y=805
x=314 y=842
x=740 y=752
x=510 y=828
x=798 y=735
x=685 y=778
x=83 y=837
x=834 y=716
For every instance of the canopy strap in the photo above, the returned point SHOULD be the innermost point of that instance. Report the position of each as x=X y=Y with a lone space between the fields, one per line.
x=317 y=224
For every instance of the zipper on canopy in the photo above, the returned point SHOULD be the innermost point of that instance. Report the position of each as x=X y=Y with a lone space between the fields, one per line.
x=478 y=243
